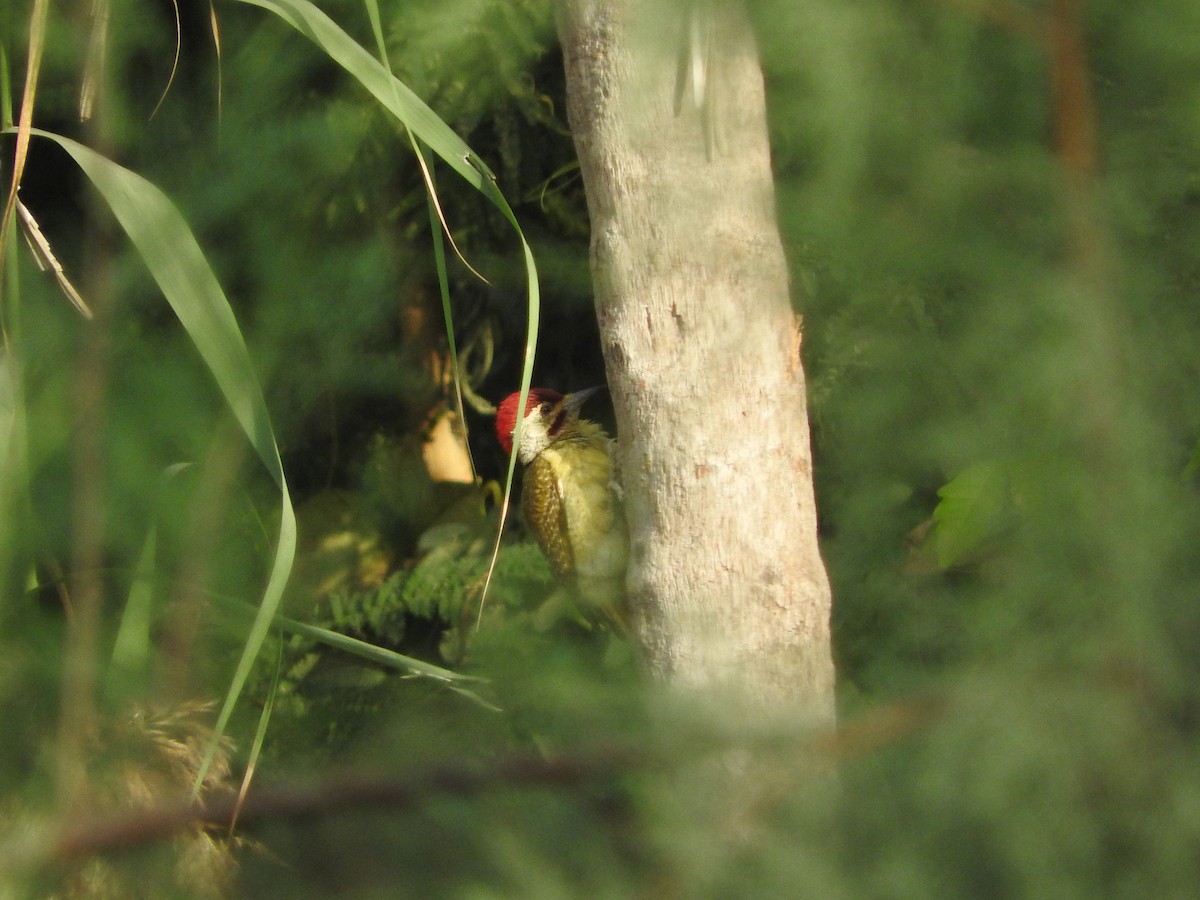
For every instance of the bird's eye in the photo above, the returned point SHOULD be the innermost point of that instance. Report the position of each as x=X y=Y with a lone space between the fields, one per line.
x=545 y=408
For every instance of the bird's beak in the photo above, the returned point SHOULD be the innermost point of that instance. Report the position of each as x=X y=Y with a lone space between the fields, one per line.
x=572 y=402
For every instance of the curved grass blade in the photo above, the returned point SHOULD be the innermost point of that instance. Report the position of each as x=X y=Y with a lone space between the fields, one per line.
x=406 y=106
x=398 y=99
x=177 y=264
x=175 y=260
x=526 y=378
x=174 y=62
x=361 y=649
x=395 y=96
x=371 y=652
x=260 y=736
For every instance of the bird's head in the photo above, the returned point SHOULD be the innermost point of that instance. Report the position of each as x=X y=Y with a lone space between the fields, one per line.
x=547 y=415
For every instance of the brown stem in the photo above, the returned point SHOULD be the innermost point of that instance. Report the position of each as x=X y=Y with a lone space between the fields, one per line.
x=78 y=689
x=84 y=837
x=1074 y=112
x=77 y=701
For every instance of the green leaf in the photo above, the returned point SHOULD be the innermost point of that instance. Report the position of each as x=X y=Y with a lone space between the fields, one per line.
x=973 y=508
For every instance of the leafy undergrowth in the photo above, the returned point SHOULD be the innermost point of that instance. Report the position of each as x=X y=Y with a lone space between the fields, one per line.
x=430 y=609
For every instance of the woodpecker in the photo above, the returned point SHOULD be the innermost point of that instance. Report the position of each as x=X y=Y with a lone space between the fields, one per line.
x=570 y=499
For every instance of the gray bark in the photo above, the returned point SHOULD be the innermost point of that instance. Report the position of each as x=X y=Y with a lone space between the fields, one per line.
x=726 y=586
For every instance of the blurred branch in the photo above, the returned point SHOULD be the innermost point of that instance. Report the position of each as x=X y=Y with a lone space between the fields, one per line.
x=1076 y=146
x=1099 y=311
x=80 y=659
x=882 y=726
x=1074 y=109
x=99 y=833
x=355 y=791
x=81 y=662
x=1061 y=32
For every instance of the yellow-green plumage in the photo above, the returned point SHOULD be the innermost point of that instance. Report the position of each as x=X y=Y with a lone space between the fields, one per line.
x=570 y=501
x=570 y=506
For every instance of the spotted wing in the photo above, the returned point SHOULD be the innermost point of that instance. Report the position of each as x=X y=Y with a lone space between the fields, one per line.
x=546 y=515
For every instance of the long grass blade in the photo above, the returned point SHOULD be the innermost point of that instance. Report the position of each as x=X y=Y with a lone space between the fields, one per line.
x=454 y=681
x=395 y=96
x=176 y=262
x=174 y=62
x=361 y=649
x=260 y=736
x=436 y=204
x=426 y=174
x=398 y=99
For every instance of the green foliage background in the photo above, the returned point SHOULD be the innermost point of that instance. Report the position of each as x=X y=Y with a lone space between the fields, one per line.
x=1006 y=434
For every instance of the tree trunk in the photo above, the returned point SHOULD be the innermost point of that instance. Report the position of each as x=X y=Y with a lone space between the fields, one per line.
x=726 y=586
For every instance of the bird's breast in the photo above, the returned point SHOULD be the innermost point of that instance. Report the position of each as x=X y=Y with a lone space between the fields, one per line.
x=570 y=506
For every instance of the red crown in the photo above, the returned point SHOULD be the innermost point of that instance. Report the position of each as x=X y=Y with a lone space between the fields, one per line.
x=506 y=414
